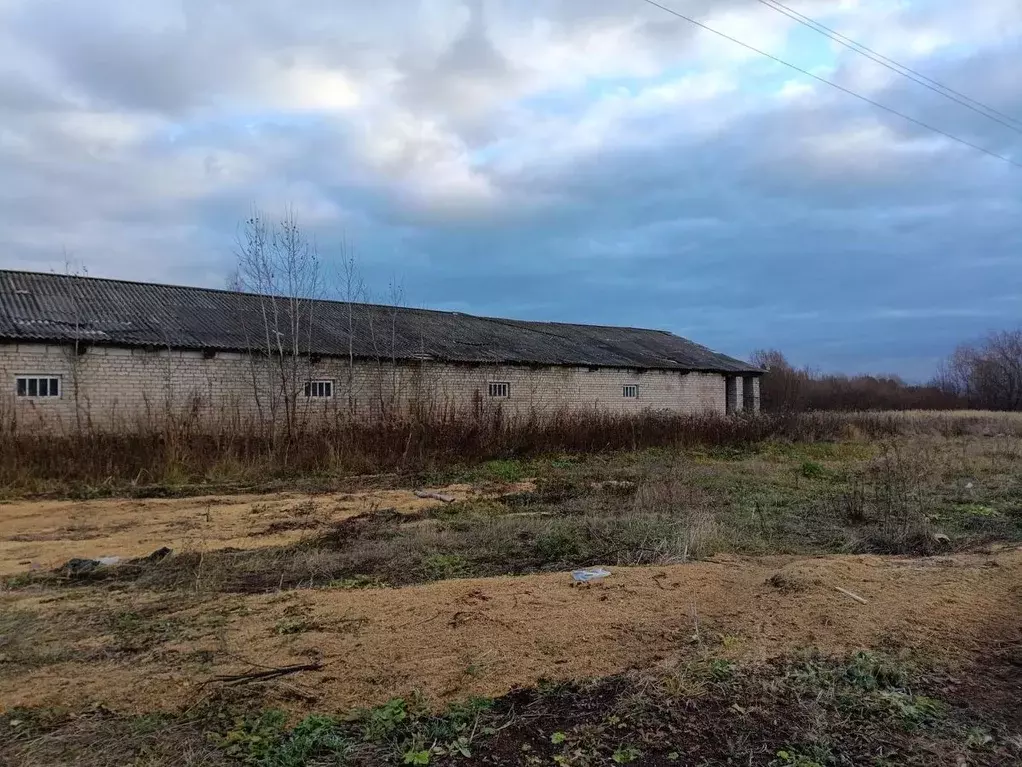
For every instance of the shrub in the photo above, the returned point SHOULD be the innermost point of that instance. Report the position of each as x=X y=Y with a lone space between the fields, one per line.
x=151 y=459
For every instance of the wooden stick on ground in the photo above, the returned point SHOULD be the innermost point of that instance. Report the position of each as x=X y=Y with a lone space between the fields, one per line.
x=262 y=676
x=435 y=496
x=848 y=593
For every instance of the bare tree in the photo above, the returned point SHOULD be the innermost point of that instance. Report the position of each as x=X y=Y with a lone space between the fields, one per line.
x=280 y=265
x=987 y=374
x=781 y=388
x=381 y=323
x=353 y=292
x=788 y=388
x=74 y=351
x=378 y=326
x=395 y=300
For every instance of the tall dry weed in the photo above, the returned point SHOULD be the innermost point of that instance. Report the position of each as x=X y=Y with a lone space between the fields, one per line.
x=173 y=453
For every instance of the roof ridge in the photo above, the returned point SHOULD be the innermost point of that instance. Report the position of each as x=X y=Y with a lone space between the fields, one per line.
x=201 y=317
x=204 y=289
x=228 y=291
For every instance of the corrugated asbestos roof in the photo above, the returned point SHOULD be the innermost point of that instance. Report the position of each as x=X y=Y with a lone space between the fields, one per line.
x=56 y=307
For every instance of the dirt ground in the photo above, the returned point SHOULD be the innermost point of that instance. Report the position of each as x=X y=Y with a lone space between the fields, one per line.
x=457 y=638
x=45 y=534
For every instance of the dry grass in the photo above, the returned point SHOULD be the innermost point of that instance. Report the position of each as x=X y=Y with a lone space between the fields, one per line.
x=48 y=533
x=916 y=495
x=144 y=637
x=145 y=651
x=151 y=460
x=807 y=709
x=655 y=506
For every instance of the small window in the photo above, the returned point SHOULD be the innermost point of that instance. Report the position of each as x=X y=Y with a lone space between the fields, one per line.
x=500 y=389
x=630 y=391
x=319 y=389
x=37 y=386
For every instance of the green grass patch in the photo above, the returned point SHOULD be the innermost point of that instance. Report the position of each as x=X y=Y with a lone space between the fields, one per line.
x=652 y=506
x=357 y=583
x=799 y=711
x=976 y=510
x=437 y=567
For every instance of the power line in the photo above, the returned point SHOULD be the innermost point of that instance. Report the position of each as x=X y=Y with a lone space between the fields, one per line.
x=949 y=93
x=832 y=84
x=848 y=42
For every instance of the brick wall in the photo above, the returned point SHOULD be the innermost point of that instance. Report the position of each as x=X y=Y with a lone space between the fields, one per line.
x=127 y=387
x=751 y=394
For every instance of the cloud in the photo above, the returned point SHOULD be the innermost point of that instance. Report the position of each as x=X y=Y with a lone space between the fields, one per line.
x=600 y=161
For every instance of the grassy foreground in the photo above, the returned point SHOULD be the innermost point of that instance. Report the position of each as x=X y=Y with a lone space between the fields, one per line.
x=800 y=711
x=914 y=495
x=907 y=484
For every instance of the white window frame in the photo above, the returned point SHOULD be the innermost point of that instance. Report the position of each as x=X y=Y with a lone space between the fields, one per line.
x=320 y=388
x=499 y=389
x=37 y=378
x=630 y=391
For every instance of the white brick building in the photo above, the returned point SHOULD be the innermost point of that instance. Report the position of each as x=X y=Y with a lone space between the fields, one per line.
x=78 y=352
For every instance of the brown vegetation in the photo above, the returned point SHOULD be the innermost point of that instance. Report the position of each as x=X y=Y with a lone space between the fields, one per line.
x=142 y=651
x=786 y=388
x=155 y=461
x=908 y=498
x=984 y=375
x=308 y=604
x=987 y=374
x=45 y=534
x=805 y=709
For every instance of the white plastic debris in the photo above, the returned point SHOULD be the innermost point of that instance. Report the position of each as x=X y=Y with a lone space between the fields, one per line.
x=968 y=486
x=585 y=576
x=435 y=496
x=109 y=561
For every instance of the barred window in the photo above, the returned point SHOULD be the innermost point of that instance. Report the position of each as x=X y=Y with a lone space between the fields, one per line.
x=319 y=389
x=37 y=386
x=500 y=389
x=630 y=391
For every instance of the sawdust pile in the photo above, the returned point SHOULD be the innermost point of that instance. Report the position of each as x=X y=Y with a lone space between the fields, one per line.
x=46 y=534
x=484 y=636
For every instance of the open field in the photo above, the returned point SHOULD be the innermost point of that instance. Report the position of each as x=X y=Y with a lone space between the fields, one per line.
x=464 y=637
x=854 y=599
x=47 y=533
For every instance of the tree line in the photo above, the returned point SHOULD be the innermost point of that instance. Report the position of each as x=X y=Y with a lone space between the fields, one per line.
x=987 y=374
x=984 y=375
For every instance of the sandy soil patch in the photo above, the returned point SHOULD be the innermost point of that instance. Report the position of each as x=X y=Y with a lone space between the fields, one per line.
x=47 y=533
x=484 y=636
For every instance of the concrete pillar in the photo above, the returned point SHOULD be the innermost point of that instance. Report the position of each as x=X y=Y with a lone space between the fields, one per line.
x=750 y=391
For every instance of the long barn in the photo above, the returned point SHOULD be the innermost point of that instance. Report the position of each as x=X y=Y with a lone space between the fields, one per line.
x=116 y=354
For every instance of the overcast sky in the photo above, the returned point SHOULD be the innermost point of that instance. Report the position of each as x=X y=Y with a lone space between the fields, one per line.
x=575 y=160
